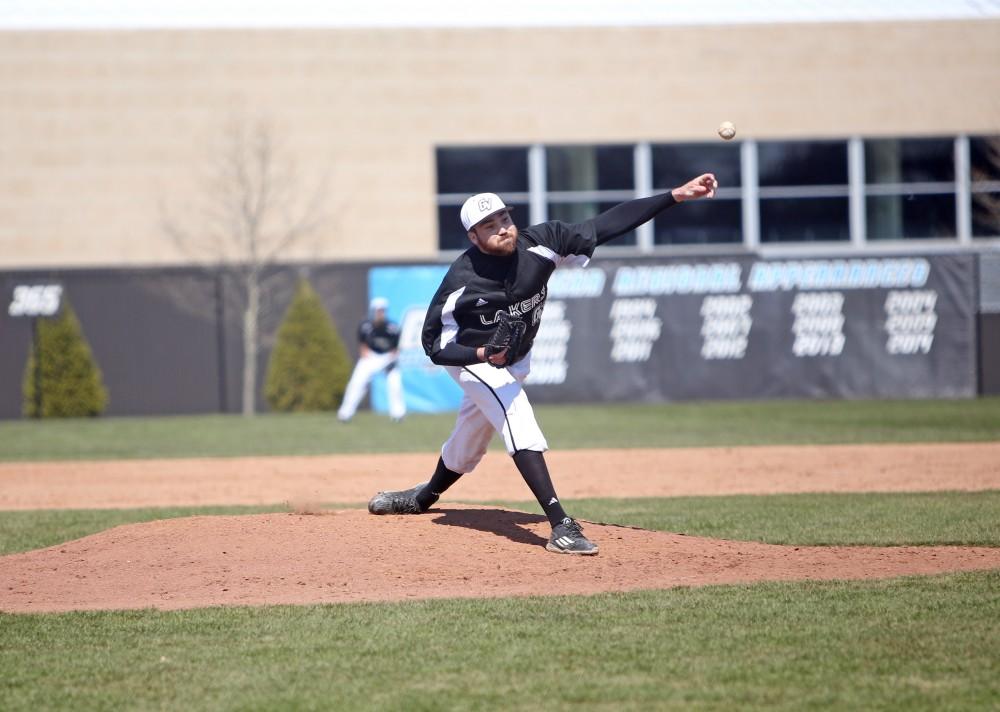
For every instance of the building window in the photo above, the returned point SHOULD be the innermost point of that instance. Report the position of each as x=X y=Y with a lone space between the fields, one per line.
x=462 y=172
x=984 y=157
x=909 y=161
x=583 y=210
x=803 y=191
x=804 y=220
x=820 y=191
x=802 y=163
x=910 y=215
x=699 y=223
x=910 y=188
x=589 y=168
x=583 y=181
x=482 y=170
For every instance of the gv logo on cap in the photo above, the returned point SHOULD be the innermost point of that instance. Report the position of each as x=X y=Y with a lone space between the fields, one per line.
x=484 y=203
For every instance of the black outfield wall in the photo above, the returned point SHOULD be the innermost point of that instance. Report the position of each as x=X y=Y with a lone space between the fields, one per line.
x=168 y=340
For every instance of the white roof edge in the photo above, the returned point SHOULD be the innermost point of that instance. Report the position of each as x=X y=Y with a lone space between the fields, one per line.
x=260 y=14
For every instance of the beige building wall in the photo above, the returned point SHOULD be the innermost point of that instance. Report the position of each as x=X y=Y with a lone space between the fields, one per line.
x=99 y=128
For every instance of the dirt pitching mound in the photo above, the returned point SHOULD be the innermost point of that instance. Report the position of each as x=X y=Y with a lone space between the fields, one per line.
x=450 y=552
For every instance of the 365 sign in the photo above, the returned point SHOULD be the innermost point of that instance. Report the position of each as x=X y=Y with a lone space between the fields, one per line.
x=35 y=300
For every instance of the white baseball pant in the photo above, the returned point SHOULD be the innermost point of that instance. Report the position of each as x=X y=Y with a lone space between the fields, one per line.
x=364 y=371
x=493 y=401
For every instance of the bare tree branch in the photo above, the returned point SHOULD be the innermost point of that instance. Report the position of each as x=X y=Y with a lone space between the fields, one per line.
x=247 y=216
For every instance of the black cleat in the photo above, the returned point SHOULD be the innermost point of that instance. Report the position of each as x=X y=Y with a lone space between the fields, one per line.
x=568 y=538
x=403 y=502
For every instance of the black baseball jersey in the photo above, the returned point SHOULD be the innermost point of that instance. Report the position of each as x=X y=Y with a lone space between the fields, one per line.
x=380 y=338
x=463 y=312
x=477 y=287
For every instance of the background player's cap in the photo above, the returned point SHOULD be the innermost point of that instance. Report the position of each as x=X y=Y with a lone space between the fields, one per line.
x=379 y=303
x=479 y=207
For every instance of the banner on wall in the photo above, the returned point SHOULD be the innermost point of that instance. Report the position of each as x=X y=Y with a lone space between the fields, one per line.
x=726 y=328
x=625 y=329
x=672 y=329
x=428 y=388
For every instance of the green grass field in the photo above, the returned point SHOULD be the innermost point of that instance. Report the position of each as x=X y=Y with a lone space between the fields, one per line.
x=907 y=644
x=921 y=643
x=578 y=426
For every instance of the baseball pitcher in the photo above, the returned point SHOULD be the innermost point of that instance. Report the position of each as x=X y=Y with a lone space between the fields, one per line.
x=480 y=326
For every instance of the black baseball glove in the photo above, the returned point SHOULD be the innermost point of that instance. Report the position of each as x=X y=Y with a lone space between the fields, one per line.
x=508 y=335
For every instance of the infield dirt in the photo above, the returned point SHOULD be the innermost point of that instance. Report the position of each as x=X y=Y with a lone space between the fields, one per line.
x=347 y=479
x=454 y=550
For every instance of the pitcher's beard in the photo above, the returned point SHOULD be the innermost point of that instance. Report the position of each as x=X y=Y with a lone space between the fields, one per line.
x=504 y=248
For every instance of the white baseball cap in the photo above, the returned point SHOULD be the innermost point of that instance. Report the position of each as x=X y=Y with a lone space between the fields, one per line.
x=479 y=207
x=379 y=303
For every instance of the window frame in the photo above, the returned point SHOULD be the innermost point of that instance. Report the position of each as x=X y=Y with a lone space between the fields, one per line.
x=750 y=194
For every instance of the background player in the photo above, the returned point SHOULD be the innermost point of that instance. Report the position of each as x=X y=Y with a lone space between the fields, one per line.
x=378 y=352
x=507 y=270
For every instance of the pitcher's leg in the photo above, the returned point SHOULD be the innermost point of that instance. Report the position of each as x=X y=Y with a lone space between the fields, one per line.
x=469 y=439
x=460 y=454
x=531 y=465
x=506 y=407
x=505 y=404
x=440 y=481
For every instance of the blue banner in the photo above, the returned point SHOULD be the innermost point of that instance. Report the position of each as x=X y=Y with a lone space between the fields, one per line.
x=428 y=388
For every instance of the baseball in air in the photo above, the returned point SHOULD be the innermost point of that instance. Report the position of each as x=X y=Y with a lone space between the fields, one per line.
x=727 y=130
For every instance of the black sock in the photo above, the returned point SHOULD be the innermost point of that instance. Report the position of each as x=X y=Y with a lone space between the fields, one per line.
x=531 y=465
x=442 y=479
